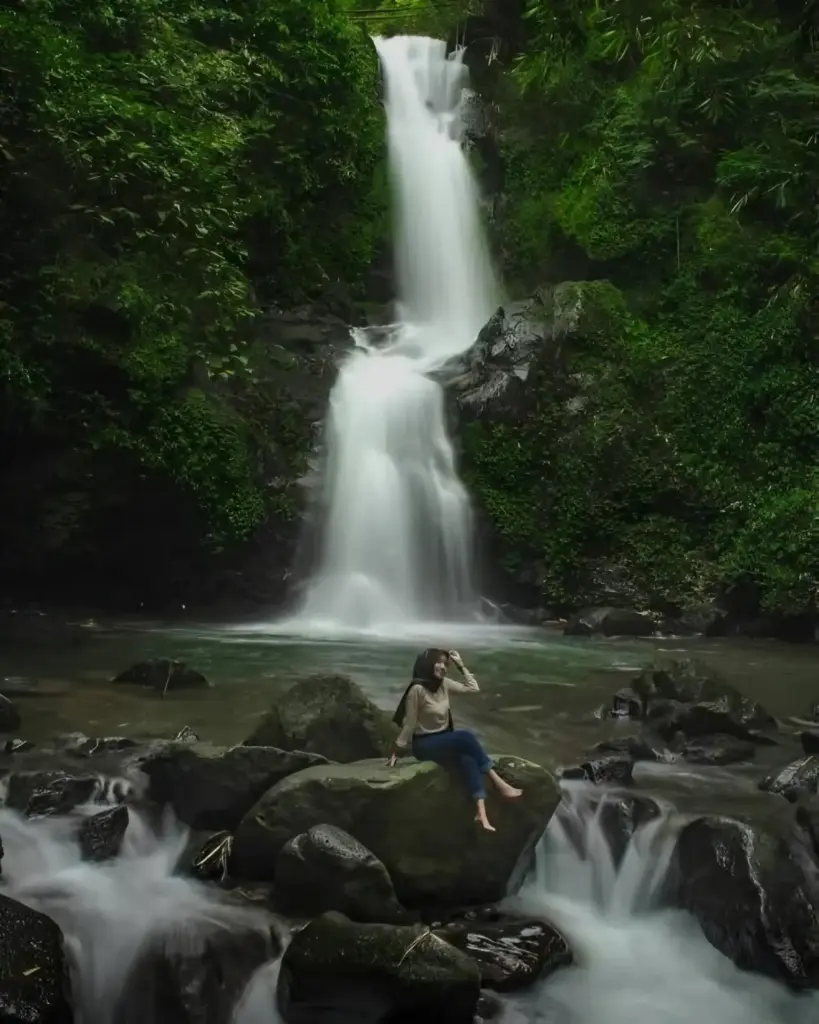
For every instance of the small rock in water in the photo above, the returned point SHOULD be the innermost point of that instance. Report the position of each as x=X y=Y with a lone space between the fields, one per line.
x=325 y=869
x=186 y=735
x=163 y=675
x=10 y=720
x=635 y=747
x=511 y=953
x=79 y=745
x=614 y=770
x=626 y=704
x=211 y=862
x=34 y=979
x=38 y=793
x=718 y=750
x=100 y=835
x=798 y=779
x=17 y=746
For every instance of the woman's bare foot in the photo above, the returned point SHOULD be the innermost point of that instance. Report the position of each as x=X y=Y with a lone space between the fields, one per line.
x=506 y=791
x=482 y=818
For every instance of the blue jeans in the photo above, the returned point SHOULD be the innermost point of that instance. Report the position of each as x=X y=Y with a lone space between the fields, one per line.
x=460 y=749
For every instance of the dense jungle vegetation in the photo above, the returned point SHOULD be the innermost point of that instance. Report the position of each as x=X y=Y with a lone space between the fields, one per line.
x=166 y=167
x=669 y=151
x=169 y=168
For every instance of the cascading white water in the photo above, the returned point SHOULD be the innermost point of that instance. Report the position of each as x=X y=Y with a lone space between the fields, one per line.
x=634 y=964
x=108 y=911
x=397 y=540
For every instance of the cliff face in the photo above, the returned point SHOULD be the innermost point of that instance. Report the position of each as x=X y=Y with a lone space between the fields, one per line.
x=656 y=165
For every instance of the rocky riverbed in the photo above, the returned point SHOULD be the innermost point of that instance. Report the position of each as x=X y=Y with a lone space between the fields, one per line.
x=372 y=886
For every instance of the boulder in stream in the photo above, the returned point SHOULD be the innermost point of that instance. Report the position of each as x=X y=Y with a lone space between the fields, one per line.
x=336 y=969
x=718 y=750
x=416 y=818
x=327 y=715
x=197 y=973
x=709 y=700
x=610 y=622
x=748 y=887
x=325 y=869
x=37 y=793
x=212 y=787
x=34 y=979
x=100 y=835
x=511 y=953
x=809 y=738
x=163 y=675
x=798 y=779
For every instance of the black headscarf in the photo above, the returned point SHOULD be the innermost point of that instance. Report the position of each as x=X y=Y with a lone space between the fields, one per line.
x=423 y=674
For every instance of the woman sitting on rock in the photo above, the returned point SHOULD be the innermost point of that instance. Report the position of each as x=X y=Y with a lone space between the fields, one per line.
x=425 y=720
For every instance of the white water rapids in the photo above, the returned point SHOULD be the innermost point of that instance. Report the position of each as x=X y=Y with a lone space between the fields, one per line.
x=396 y=547
x=634 y=965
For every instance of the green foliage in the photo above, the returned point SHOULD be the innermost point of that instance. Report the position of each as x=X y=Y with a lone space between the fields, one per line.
x=165 y=167
x=678 y=159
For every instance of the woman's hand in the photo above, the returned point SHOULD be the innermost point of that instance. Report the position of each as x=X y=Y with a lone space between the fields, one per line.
x=456 y=659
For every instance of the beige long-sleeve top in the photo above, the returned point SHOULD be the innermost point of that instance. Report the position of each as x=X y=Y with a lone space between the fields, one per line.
x=427 y=712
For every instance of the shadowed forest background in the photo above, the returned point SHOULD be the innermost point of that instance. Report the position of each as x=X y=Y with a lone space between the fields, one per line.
x=194 y=204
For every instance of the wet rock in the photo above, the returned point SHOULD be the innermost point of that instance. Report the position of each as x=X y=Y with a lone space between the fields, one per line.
x=511 y=953
x=809 y=738
x=163 y=675
x=614 y=770
x=690 y=682
x=17 y=746
x=212 y=787
x=626 y=704
x=807 y=819
x=209 y=860
x=718 y=750
x=617 y=816
x=371 y=973
x=100 y=835
x=34 y=980
x=197 y=974
x=670 y=718
x=186 y=735
x=416 y=818
x=327 y=715
x=489 y=1008
x=10 y=720
x=610 y=622
x=634 y=747
x=325 y=869
x=747 y=889
x=80 y=745
x=38 y=793
x=798 y=779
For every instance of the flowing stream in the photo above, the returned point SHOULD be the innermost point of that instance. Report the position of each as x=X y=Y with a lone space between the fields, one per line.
x=396 y=546
x=635 y=964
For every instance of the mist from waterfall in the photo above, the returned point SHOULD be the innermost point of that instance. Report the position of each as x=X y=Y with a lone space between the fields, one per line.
x=397 y=536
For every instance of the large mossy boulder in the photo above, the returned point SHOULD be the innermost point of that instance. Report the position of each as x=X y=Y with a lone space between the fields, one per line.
x=416 y=818
x=212 y=787
x=327 y=715
x=336 y=970
x=34 y=980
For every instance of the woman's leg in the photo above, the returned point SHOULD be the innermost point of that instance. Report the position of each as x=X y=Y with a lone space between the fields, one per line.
x=459 y=747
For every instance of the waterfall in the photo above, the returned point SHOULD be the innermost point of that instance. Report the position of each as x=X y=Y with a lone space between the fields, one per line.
x=396 y=546
x=634 y=963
